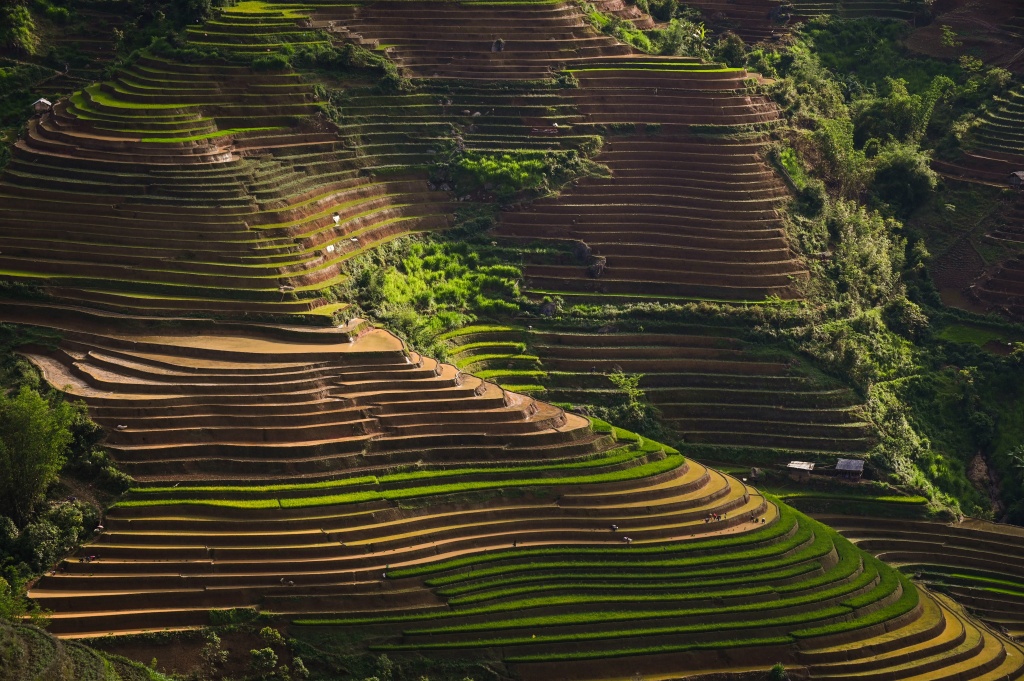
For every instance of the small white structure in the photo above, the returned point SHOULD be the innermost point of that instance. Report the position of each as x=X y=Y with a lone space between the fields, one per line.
x=800 y=470
x=41 y=105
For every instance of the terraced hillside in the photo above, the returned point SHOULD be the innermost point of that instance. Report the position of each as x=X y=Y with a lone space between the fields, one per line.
x=692 y=606
x=665 y=230
x=767 y=20
x=996 y=149
x=977 y=563
x=714 y=389
x=331 y=415
x=988 y=29
x=335 y=480
x=676 y=97
x=313 y=475
x=198 y=188
x=87 y=46
x=617 y=91
x=289 y=202
x=108 y=378
x=895 y=9
x=752 y=20
x=429 y=40
x=1015 y=25
x=1001 y=289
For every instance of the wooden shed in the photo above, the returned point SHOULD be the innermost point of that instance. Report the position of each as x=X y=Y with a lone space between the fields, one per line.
x=42 y=105
x=850 y=468
x=1016 y=179
x=800 y=471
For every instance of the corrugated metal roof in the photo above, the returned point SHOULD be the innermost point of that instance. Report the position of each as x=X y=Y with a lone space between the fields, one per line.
x=801 y=465
x=850 y=465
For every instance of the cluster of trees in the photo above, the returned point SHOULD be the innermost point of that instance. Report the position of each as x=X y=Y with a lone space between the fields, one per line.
x=34 y=435
x=866 y=118
x=20 y=19
x=42 y=437
x=869 y=116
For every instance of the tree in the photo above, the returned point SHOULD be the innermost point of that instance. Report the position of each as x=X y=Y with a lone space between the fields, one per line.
x=949 y=37
x=271 y=636
x=11 y=607
x=263 y=662
x=636 y=400
x=903 y=178
x=33 y=438
x=385 y=668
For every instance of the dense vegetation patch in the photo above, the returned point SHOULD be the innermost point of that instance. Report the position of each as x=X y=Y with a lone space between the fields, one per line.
x=866 y=116
x=423 y=288
x=45 y=443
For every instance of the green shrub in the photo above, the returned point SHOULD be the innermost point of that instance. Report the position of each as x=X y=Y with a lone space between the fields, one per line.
x=512 y=173
x=902 y=178
x=17 y=30
x=271 y=62
x=271 y=636
x=894 y=116
x=906 y=318
x=566 y=79
x=680 y=37
x=619 y=28
x=263 y=662
x=212 y=654
x=338 y=60
x=11 y=606
x=508 y=172
x=731 y=50
x=868 y=254
x=232 y=616
x=812 y=198
x=661 y=10
x=171 y=48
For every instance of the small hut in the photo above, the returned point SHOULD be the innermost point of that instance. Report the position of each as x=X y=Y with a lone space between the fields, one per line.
x=852 y=469
x=800 y=471
x=1016 y=180
x=41 y=106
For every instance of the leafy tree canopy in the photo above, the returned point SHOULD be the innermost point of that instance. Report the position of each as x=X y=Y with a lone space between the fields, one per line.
x=34 y=435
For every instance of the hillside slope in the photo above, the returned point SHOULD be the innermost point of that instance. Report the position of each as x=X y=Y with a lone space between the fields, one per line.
x=186 y=225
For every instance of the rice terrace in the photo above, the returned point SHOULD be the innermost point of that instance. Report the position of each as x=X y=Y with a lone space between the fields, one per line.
x=511 y=340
